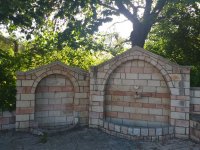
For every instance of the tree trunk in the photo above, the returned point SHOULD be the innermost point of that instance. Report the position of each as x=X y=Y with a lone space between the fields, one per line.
x=139 y=34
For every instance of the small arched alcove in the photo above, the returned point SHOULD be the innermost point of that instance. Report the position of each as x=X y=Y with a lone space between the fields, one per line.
x=54 y=99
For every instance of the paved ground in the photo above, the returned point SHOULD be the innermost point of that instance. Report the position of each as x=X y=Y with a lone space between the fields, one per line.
x=85 y=139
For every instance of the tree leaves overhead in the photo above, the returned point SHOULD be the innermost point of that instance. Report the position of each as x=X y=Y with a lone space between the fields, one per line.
x=177 y=36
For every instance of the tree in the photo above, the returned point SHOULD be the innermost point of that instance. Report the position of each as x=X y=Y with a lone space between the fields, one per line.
x=177 y=36
x=83 y=16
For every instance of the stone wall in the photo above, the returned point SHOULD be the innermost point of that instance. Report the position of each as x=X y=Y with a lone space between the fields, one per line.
x=147 y=106
x=54 y=101
x=195 y=114
x=65 y=89
x=176 y=77
x=7 y=120
x=136 y=95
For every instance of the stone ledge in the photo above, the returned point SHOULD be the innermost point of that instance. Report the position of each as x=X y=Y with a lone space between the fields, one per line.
x=137 y=133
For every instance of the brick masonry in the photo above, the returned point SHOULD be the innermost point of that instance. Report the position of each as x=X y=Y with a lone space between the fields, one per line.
x=195 y=114
x=7 y=120
x=136 y=92
x=141 y=89
x=122 y=105
x=52 y=95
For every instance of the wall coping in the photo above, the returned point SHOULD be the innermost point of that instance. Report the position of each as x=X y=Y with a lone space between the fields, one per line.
x=194 y=88
x=74 y=69
x=137 y=48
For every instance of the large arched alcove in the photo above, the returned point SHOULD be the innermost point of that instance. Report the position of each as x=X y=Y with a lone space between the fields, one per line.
x=136 y=94
x=54 y=99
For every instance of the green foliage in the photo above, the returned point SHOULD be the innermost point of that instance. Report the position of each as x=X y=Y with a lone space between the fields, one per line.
x=44 y=138
x=177 y=36
x=7 y=81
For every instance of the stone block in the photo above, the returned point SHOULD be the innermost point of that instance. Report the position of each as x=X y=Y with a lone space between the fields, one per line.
x=27 y=82
x=27 y=97
x=175 y=91
x=157 y=76
x=55 y=81
x=130 y=131
x=129 y=109
x=59 y=95
x=123 y=115
x=179 y=130
x=54 y=113
x=23 y=104
x=67 y=100
x=136 y=131
x=155 y=111
x=97 y=108
x=182 y=123
x=197 y=93
x=7 y=114
x=162 y=90
x=131 y=76
x=141 y=110
x=24 y=124
x=144 y=131
x=158 y=131
x=153 y=83
x=41 y=114
x=127 y=82
x=117 y=82
x=24 y=117
x=152 y=131
x=144 y=76
x=111 y=126
x=141 y=82
x=117 y=128
x=149 y=89
x=124 y=129
x=60 y=119
x=178 y=115
x=97 y=98
x=94 y=121
x=117 y=108
x=18 y=83
x=81 y=95
x=171 y=130
x=55 y=101
x=41 y=101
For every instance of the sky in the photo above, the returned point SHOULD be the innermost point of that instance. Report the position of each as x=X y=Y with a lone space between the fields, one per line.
x=119 y=24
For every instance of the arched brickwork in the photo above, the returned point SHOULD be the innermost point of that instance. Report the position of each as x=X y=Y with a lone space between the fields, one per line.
x=150 y=60
x=50 y=72
x=175 y=76
x=54 y=102
x=26 y=96
x=122 y=106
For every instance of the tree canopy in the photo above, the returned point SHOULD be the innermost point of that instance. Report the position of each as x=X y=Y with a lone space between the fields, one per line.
x=82 y=17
